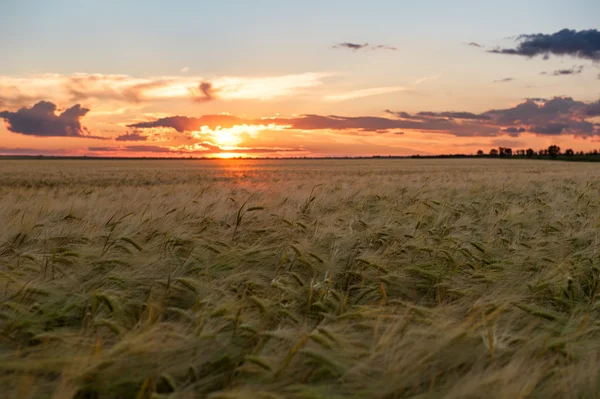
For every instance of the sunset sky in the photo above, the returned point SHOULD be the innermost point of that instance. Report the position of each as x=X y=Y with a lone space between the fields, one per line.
x=297 y=78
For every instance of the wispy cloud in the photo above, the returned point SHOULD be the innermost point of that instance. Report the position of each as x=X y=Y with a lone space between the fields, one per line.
x=185 y=69
x=134 y=136
x=363 y=46
x=574 y=70
x=15 y=91
x=504 y=80
x=351 y=95
x=425 y=79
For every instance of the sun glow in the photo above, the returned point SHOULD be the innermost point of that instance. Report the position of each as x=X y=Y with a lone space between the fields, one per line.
x=234 y=135
x=228 y=155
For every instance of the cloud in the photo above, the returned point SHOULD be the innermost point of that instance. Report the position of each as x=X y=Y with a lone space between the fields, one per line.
x=383 y=47
x=574 y=70
x=41 y=120
x=425 y=79
x=457 y=115
x=363 y=46
x=184 y=123
x=135 y=136
x=203 y=148
x=505 y=80
x=203 y=93
x=514 y=129
x=559 y=115
x=473 y=44
x=592 y=109
x=363 y=93
x=185 y=69
x=18 y=91
x=583 y=44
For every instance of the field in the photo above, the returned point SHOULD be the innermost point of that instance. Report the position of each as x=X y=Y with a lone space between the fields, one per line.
x=299 y=279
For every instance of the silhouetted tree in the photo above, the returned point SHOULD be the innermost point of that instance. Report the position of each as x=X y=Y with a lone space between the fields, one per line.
x=479 y=152
x=530 y=153
x=494 y=152
x=554 y=151
x=504 y=152
x=595 y=153
x=569 y=152
x=520 y=153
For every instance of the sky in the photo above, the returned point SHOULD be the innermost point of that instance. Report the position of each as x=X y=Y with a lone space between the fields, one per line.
x=297 y=78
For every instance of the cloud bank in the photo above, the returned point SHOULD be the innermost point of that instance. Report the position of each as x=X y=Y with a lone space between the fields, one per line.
x=559 y=115
x=583 y=44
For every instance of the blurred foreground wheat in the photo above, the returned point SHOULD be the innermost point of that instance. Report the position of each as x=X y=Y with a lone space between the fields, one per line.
x=299 y=279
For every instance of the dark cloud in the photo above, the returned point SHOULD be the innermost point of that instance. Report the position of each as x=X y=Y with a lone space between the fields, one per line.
x=184 y=123
x=42 y=120
x=514 y=130
x=559 y=114
x=364 y=46
x=574 y=70
x=581 y=44
x=550 y=128
x=505 y=80
x=134 y=136
x=203 y=93
x=383 y=47
x=592 y=109
x=537 y=99
x=473 y=44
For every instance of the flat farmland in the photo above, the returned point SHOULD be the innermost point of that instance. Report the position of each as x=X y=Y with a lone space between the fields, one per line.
x=299 y=279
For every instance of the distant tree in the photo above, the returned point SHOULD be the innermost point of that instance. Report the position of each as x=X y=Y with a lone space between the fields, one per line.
x=543 y=152
x=504 y=152
x=479 y=153
x=520 y=153
x=530 y=153
x=554 y=151
x=569 y=152
x=494 y=152
x=595 y=153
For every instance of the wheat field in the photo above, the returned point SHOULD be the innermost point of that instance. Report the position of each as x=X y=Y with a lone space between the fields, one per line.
x=299 y=279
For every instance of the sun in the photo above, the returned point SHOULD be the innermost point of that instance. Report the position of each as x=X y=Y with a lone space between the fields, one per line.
x=228 y=155
x=225 y=137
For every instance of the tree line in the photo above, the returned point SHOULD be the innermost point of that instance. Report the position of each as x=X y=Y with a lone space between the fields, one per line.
x=552 y=151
